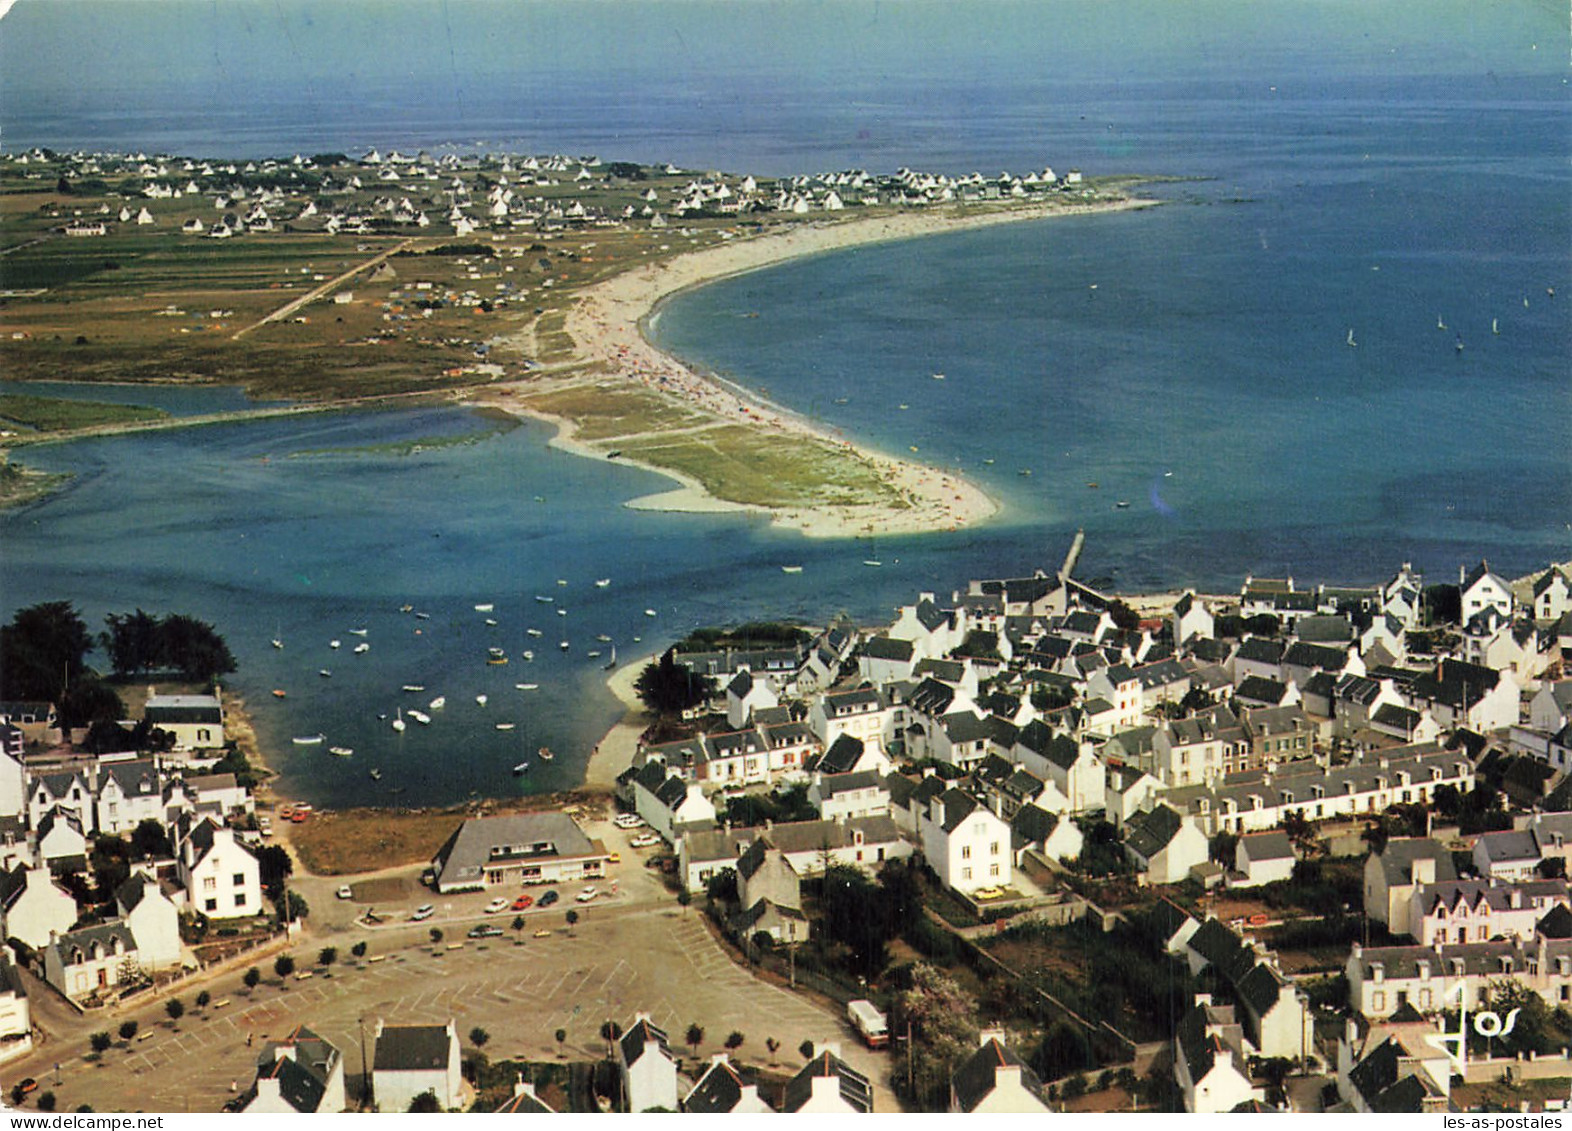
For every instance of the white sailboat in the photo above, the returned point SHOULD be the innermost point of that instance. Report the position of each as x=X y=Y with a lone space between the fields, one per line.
x=1495 y=325
x=1351 y=341
x=481 y=699
x=398 y=720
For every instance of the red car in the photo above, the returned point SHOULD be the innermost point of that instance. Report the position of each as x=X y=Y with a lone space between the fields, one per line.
x=523 y=902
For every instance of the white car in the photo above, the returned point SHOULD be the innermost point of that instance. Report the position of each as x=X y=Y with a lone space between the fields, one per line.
x=345 y=892
x=628 y=821
x=644 y=840
x=587 y=894
x=501 y=903
x=424 y=911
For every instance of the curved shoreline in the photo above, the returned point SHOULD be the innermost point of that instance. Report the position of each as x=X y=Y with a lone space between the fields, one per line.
x=609 y=325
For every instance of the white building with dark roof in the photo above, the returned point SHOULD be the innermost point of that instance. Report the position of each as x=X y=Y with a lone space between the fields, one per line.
x=32 y=907
x=529 y=848
x=828 y=1085
x=649 y=1071
x=408 y=1060
x=994 y=1080
x=966 y=844
x=723 y=1091
x=196 y=722
x=16 y=1014
x=89 y=963
x=300 y=1073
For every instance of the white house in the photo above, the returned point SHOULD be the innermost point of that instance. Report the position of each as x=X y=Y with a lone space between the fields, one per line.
x=966 y=844
x=722 y=1091
x=1209 y=1060
x=862 y=714
x=409 y=1060
x=1164 y=845
x=299 y=1073
x=1191 y=618
x=994 y=1080
x=196 y=722
x=746 y=694
x=649 y=1073
x=1481 y=589
x=828 y=1085
x=669 y=805
x=221 y=876
x=152 y=917
x=32 y=908
x=129 y=793
x=1391 y=877
x=862 y=794
x=1263 y=858
x=90 y=962
x=62 y=844
x=16 y=1016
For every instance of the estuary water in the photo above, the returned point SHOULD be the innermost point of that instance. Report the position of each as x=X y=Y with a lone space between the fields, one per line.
x=1192 y=361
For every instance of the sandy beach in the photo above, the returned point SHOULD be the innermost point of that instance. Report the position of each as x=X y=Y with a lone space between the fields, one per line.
x=607 y=323
x=614 y=753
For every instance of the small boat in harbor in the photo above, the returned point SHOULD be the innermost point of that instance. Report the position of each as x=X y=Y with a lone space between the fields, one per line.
x=341 y=751
x=562 y=612
x=527 y=654
x=871 y=562
x=279 y=693
x=533 y=632
x=422 y=616
x=420 y=717
x=481 y=699
x=438 y=703
x=602 y=582
x=650 y=612
x=791 y=569
x=406 y=608
x=414 y=687
x=562 y=581
x=484 y=608
x=593 y=653
x=276 y=642
x=357 y=631
x=545 y=754
x=1121 y=505
x=521 y=768
x=527 y=686
x=376 y=775
x=333 y=643
x=308 y=739
x=506 y=726
x=324 y=673
x=490 y=623
x=362 y=648
x=1351 y=341
x=545 y=600
x=938 y=376
x=1495 y=325
x=496 y=656
x=603 y=638
x=563 y=645
x=398 y=723
x=611 y=663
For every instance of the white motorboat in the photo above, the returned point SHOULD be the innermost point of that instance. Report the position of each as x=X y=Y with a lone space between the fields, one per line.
x=341 y=751
x=439 y=702
x=522 y=767
x=484 y=608
x=362 y=648
x=506 y=726
x=414 y=687
x=533 y=632
x=420 y=717
x=527 y=654
x=649 y=612
x=481 y=699
x=357 y=631
x=333 y=643
x=309 y=739
x=545 y=600
x=602 y=582
x=527 y=686
x=324 y=673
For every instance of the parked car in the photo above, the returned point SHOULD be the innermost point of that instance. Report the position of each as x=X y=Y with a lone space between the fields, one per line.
x=543 y=933
x=345 y=892
x=628 y=821
x=614 y=858
x=547 y=899
x=587 y=894
x=524 y=903
x=498 y=904
x=424 y=911
x=485 y=931
x=645 y=840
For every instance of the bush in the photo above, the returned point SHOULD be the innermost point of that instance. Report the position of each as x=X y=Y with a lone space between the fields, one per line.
x=101 y=1042
x=127 y=1030
x=252 y=977
x=358 y=950
x=283 y=966
x=327 y=956
x=1075 y=1086
x=202 y=999
x=478 y=1037
x=47 y=1102
x=175 y=1008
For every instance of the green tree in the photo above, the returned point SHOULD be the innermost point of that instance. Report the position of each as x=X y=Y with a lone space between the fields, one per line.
x=478 y=1037
x=133 y=642
x=127 y=1030
x=47 y=1101
x=194 y=648
x=518 y=924
x=806 y=1050
x=939 y=1014
x=274 y=867
x=562 y=1038
x=359 y=949
x=734 y=1040
x=43 y=651
x=110 y=861
x=251 y=978
x=150 y=839
x=773 y=1046
x=101 y=1042
x=425 y=1104
x=283 y=966
x=855 y=916
x=175 y=1008
x=202 y=999
x=722 y=886
x=572 y=918
x=435 y=935
x=694 y=1037
x=327 y=956
x=669 y=688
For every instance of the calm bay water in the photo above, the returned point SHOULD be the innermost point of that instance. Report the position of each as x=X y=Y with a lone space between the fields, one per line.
x=1206 y=379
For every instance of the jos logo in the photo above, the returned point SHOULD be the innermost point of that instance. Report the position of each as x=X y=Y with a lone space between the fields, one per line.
x=1455 y=1043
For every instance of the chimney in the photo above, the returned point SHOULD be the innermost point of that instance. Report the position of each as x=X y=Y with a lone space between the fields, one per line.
x=990 y=1033
x=1423 y=870
x=1516 y=898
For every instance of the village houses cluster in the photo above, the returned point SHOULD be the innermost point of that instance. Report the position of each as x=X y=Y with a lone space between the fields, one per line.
x=466 y=193
x=986 y=731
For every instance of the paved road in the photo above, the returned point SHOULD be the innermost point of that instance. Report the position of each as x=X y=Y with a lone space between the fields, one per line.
x=638 y=957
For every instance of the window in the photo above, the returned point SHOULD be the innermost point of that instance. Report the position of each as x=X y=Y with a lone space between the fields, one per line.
x=240 y=900
x=966 y=873
x=1424 y=999
x=993 y=869
x=210 y=905
x=209 y=883
x=240 y=879
x=966 y=852
x=1378 y=1001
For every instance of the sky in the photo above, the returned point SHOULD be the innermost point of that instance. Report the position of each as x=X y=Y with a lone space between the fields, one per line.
x=97 y=49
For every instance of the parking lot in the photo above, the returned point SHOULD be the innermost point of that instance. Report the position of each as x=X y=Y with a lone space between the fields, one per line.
x=635 y=950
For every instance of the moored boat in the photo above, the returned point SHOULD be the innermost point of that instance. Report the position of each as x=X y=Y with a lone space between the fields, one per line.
x=341 y=751
x=420 y=717
x=308 y=739
x=439 y=702
x=545 y=754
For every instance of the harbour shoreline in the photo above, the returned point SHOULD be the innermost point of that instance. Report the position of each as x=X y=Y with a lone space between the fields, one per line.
x=610 y=322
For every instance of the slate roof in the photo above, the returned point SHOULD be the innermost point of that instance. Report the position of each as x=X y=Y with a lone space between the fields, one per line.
x=831 y=785
x=1032 y=824
x=854 y=1086
x=973 y=1079
x=930 y=697
x=1401 y=852
x=958 y=805
x=1259 y=689
x=842 y=755
x=1385 y=1088
x=1268 y=846
x=1261 y=649
x=486 y=840
x=411 y=1048
x=1511 y=846
x=1305 y=655
x=1260 y=989
x=1149 y=833
x=12 y=885
x=1324 y=630
x=888 y=648
x=525 y=1103
x=639 y=1038
x=718 y=1091
x=303 y=1077
x=1557 y=923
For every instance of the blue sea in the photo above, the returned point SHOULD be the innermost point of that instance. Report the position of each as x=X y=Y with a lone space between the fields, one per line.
x=1347 y=171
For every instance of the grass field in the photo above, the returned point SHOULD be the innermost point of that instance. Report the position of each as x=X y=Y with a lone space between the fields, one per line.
x=610 y=410
x=46 y=414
